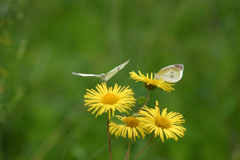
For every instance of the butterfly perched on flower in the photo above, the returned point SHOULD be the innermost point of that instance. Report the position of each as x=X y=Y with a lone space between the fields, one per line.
x=172 y=73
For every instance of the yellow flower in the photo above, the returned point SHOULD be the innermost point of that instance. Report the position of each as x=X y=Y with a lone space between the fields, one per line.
x=133 y=127
x=109 y=99
x=151 y=83
x=170 y=123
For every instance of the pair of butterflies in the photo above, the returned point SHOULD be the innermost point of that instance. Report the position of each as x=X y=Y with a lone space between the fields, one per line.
x=172 y=73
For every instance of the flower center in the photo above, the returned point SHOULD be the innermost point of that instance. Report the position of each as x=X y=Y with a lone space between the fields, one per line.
x=149 y=86
x=131 y=121
x=162 y=122
x=109 y=98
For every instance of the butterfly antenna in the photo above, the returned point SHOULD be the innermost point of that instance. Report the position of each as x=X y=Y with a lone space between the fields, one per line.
x=153 y=69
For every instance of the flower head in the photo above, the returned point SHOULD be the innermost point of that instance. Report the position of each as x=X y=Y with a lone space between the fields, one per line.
x=151 y=83
x=109 y=99
x=133 y=127
x=170 y=123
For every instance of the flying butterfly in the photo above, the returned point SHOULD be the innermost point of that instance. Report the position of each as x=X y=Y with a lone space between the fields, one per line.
x=104 y=76
x=172 y=73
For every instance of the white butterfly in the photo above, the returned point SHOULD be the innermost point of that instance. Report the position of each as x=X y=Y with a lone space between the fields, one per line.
x=104 y=76
x=172 y=73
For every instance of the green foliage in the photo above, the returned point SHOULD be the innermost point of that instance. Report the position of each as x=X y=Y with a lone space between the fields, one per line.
x=141 y=100
x=116 y=120
x=42 y=112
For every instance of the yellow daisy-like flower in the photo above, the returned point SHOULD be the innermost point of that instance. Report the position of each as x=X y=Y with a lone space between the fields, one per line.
x=170 y=123
x=109 y=99
x=151 y=83
x=133 y=127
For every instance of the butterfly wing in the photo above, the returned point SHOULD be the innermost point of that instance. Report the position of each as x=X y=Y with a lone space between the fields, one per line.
x=172 y=73
x=104 y=76
x=114 y=71
x=88 y=75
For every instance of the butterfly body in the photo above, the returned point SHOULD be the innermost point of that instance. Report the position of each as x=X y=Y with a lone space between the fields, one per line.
x=172 y=73
x=104 y=76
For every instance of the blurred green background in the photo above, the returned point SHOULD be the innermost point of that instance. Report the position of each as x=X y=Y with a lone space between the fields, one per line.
x=42 y=112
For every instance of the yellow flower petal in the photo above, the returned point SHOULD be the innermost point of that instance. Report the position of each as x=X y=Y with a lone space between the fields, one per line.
x=109 y=99
x=134 y=126
x=151 y=83
x=168 y=124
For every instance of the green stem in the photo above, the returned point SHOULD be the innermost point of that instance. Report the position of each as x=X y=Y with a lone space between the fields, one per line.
x=109 y=142
x=129 y=149
x=144 y=147
x=1 y=149
x=148 y=95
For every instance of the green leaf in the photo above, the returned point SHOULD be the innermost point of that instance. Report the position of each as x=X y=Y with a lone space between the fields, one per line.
x=141 y=100
x=117 y=121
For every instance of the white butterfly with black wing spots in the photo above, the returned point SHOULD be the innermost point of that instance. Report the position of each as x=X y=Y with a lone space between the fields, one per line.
x=104 y=76
x=172 y=73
